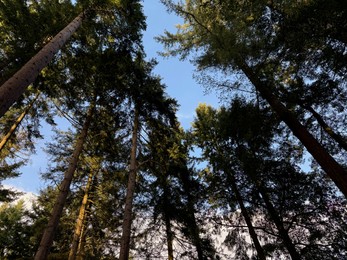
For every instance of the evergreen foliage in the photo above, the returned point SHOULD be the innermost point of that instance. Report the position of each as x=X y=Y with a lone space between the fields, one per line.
x=236 y=185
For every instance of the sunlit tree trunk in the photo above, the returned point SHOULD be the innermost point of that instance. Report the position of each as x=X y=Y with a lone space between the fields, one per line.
x=80 y=219
x=319 y=153
x=17 y=123
x=15 y=86
x=127 y=218
x=81 y=244
x=48 y=235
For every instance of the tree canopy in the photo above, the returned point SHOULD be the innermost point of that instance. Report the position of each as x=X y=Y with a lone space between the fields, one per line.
x=261 y=177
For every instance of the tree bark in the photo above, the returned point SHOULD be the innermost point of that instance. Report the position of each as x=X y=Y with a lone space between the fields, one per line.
x=14 y=87
x=47 y=237
x=168 y=229
x=17 y=123
x=323 y=158
x=335 y=136
x=279 y=225
x=190 y=220
x=127 y=218
x=251 y=230
x=81 y=246
x=80 y=219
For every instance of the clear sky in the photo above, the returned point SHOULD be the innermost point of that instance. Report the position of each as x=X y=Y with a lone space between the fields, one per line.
x=175 y=74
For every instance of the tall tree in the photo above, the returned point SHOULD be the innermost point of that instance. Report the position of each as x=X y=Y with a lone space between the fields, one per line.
x=208 y=134
x=13 y=128
x=15 y=231
x=47 y=237
x=126 y=226
x=77 y=236
x=14 y=87
x=230 y=33
x=267 y=176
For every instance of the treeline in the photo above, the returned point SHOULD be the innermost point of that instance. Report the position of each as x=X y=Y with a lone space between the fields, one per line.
x=126 y=181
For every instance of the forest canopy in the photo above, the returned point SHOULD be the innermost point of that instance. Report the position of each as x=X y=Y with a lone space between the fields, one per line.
x=261 y=177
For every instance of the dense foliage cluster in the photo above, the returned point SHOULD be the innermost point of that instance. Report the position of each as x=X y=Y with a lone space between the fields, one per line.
x=262 y=177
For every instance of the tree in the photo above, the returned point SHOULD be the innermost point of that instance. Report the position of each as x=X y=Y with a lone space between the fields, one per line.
x=15 y=231
x=26 y=27
x=267 y=176
x=229 y=33
x=78 y=234
x=208 y=130
x=5 y=139
x=14 y=87
x=126 y=226
x=47 y=237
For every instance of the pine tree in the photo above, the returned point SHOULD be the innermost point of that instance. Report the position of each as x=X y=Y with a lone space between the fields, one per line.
x=230 y=35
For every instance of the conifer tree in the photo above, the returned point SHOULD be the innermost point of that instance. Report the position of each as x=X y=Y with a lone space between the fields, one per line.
x=243 y=38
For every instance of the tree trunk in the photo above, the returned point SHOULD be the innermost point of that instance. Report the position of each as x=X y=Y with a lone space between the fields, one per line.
x=81 y=245
x=127 y=219
x=195 y=232
x=47 y=237
x=279 y=225
x=168 y=229
x=252 y=233
x=190 y=220
x=80 y=220
x=335 y=136
x=323 y=158
x=14 y=87
x=17 y=123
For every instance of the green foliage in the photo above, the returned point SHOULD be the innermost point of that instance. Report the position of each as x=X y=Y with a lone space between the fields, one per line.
x=15 y=232
x=241 y=141
x=296 y=48
x=25 y=27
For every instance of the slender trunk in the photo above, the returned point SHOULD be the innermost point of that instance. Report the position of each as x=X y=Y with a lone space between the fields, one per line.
x=190 y=218
x=169 y=238
x=80 y=220
x=279 y=225
x=14 y=87
x=323 y=158
x=195 y=232
x=252 y=233
x=168 y=229
x=127 y=219
x=47 y=237
x=17 y=123
x=80 y=250
x=335 y=136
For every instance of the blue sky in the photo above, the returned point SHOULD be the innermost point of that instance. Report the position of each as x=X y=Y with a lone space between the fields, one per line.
x=175 y=74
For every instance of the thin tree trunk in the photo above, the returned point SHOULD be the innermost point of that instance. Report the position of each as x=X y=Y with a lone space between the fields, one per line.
x=195 y=232
x=80 y=220
x=335 y=136
x=17 y=123
x=252 y=233
x=323 y=158
x=127 y=218
x=80 y=250
x=190 y=218
x=47 y=237
x=169 y=238
x=279 y=224
x=168 y=229
x=15 y=86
